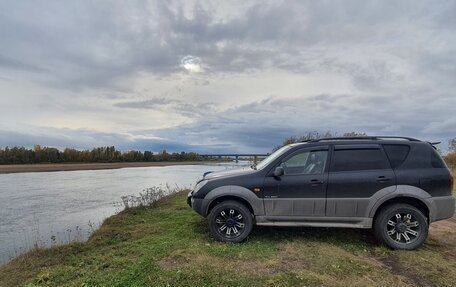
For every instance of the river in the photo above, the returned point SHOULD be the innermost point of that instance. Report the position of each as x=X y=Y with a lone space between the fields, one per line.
x=47 y=208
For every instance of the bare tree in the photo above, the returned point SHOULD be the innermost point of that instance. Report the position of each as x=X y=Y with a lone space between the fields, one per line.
x=452 y=145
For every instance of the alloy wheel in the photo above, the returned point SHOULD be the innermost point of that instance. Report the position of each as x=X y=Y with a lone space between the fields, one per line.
x=403 y=228
x=230 y=223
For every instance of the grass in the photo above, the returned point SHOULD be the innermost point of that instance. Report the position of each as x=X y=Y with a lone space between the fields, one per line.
x=169 y=245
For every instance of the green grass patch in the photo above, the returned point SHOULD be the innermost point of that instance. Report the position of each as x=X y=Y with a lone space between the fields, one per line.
x=170 y=245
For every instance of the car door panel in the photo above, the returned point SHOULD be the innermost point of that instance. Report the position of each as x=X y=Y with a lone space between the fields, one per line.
x=296 y=194
x=349 y=192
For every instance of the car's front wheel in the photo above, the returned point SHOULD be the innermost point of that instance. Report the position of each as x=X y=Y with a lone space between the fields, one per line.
x=401 y=226
x=230 y=221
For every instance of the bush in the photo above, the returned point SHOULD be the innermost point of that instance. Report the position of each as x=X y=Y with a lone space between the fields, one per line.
x=450 y=160
x=148 y=196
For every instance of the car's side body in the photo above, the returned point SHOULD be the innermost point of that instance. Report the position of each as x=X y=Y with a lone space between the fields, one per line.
x=343 y=183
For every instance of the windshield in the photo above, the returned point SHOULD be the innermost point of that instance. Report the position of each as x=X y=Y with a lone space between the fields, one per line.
x=265 y=162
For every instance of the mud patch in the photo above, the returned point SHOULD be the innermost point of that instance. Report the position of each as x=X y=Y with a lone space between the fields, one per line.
x=443 y=234
x=284 y=262
x=393 y=265
x=173 y=262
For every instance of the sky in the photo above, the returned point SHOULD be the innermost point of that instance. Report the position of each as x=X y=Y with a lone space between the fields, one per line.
x=223 y=76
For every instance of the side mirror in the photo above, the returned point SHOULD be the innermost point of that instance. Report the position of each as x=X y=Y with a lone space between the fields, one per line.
x=278 y=171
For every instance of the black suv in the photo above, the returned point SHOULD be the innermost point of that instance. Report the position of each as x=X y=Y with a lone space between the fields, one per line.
x=395 y=185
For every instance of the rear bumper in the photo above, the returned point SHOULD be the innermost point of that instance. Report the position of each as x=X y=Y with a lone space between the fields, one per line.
x=443 y=208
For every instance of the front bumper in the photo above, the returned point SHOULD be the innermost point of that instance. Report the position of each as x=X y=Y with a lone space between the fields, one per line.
x=195 y=203
x=189 y=198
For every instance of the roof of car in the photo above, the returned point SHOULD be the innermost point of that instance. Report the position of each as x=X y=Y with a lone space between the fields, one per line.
x=363 y=140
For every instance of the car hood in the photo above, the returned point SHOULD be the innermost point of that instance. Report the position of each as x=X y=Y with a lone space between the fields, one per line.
x=228 y=173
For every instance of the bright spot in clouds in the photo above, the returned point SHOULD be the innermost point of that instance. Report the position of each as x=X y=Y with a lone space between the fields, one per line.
x=191 y=64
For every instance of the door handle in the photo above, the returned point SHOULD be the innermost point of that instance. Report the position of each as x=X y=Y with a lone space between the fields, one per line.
x=383 y=179
x=316 y=182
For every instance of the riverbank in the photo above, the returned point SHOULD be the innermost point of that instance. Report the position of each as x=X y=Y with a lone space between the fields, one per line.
x=48 y=167
x=169 y=245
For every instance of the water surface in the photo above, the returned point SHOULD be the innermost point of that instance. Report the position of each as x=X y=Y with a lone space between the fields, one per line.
x=49 y=208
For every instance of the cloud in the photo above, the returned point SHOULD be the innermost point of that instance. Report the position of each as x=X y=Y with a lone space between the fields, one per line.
x=146 y=104
x=15 y=64
x=210 y=75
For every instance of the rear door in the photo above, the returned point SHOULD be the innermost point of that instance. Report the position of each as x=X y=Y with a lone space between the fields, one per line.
x=356 y=173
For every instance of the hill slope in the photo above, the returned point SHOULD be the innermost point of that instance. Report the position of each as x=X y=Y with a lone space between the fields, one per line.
x=169 y=245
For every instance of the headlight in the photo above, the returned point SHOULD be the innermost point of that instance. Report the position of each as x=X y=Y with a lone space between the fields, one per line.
x=199 y=185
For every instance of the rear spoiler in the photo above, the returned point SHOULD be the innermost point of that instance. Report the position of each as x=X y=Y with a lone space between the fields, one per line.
x=433 y=144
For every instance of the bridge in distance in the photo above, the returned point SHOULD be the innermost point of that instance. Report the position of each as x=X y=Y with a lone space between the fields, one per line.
x=236 y=156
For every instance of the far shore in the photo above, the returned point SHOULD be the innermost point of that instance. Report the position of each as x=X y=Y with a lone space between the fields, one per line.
x=48 y=167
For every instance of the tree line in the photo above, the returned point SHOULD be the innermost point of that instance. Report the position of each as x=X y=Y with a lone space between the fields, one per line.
x=21 y=155
x=316 y=135
x=450 y=158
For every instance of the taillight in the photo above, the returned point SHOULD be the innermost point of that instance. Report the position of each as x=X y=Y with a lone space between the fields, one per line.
x=451 y=182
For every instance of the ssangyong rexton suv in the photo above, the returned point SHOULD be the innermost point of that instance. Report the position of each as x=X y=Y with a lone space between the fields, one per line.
x=395 y=185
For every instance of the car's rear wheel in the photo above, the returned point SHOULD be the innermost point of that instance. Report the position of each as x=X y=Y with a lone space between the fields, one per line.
x=401 y=226
x=230 y=221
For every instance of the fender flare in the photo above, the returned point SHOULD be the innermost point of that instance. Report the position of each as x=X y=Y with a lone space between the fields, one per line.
x=410 y=192
x=235 y=191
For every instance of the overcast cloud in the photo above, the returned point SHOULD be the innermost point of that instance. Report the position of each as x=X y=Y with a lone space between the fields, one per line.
x=223 y=76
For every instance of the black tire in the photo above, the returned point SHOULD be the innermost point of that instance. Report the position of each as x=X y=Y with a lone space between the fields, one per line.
x=401 y=226
x=230 y=221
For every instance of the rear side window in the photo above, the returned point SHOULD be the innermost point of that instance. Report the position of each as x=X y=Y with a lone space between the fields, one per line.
x=396 y=153
x=436 y=160
x=358 y=159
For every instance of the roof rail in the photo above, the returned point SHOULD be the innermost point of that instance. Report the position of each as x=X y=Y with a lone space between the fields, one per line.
x=363 y=138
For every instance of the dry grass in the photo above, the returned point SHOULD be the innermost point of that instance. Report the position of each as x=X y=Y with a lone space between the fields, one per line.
x=169 y=245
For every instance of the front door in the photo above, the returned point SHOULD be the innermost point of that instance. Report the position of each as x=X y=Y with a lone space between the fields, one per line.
x=301 y=190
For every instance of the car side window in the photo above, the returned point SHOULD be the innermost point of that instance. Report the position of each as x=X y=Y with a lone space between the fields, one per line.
x=396 y=153
x=436 y=160
x=306 y=162
x=359 y=159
